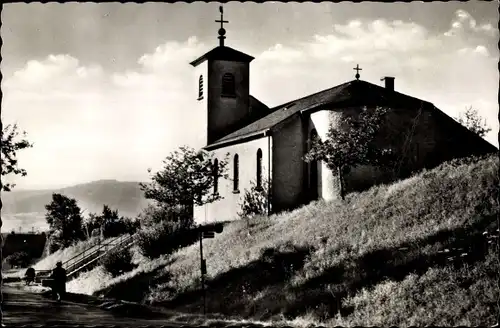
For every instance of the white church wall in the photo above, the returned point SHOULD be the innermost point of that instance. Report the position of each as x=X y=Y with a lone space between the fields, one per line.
x=229 y=205
x=328 y=183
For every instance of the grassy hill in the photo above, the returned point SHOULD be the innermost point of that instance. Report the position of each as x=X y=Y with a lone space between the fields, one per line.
x=423 y=251
x=26 y=208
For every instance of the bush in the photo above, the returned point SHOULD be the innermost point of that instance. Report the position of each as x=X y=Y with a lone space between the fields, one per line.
x=165 y=238
x=117 y=262
x=156 y=214
x=55 y=241
x=19 y=259
x=255 y=201
x=119 y=227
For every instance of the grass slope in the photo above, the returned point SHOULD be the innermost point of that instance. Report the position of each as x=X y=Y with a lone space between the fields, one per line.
x=422 y=251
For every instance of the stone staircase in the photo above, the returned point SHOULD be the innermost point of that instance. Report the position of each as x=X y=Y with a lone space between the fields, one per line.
x=87 y=259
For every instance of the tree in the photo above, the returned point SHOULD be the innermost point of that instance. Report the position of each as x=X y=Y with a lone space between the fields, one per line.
x=19 y=259
x=186 y=179
x=65 y=221
x=471 y=119
x=110 y=223
x=352 y=143
x=91 y=225
x=11 y=144
x=114 y=225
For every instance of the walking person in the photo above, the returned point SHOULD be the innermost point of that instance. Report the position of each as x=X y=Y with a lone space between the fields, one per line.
x=59 y=281
x=29 y=276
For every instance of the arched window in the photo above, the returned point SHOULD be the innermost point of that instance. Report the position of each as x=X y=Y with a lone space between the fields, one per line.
x=228 y=85
x=200 y=87
x=216 y=176
x=259 y=168
x=236 y=173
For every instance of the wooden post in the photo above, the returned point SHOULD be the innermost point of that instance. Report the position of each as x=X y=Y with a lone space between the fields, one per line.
x=202 y=272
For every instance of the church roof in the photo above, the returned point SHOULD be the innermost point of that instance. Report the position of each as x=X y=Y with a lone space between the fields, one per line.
x=350 y=94
x=223 y=53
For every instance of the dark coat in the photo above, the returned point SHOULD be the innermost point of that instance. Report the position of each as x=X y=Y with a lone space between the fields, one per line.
x=59 y=277
x=30 y=273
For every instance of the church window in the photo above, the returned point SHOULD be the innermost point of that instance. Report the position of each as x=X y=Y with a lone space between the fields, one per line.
x=236 y=173
x=259 y=169
x=200 y=87
x=228 y=88
x=216 y=176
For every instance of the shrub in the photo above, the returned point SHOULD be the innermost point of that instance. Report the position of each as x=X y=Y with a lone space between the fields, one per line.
x=117 y=262
x=54 y=241
x=155 y=214
x=119 y=227
x=165 y=238
x=255 y=200
x=19 y=259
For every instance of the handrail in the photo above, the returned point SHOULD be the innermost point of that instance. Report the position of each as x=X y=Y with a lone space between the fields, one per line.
x=87 y=254
x=82 y=253
x=100 y=252
x=76 y=266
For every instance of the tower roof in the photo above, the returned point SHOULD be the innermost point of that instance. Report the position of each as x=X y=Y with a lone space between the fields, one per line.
x=223 y=53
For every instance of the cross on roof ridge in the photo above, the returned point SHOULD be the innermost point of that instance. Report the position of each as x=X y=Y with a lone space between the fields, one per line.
x=357 y=69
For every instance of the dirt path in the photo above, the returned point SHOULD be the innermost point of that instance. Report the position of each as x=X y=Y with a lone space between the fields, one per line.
x=24 y=308
x=21 y=307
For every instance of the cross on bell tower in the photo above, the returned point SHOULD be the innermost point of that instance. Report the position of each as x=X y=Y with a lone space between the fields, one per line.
x=357 y=69
x=222 y=31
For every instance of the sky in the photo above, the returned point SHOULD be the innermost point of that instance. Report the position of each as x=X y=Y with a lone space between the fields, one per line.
x=105 y=91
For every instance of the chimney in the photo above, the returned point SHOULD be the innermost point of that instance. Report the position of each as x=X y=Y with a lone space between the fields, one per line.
x=389 y=82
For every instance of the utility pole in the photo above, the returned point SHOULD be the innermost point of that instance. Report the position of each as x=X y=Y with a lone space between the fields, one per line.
x=206 y=232
x=203 y=271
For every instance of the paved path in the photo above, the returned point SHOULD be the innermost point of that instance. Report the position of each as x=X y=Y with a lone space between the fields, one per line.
x=24 y=308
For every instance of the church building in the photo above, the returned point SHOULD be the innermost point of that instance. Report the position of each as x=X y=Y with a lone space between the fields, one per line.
x=268 y=144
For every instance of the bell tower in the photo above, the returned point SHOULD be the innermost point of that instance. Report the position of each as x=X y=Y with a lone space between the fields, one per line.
x=223 y=77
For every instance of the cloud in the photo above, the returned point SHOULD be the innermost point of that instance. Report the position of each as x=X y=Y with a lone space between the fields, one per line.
x=356 y=37
x=55 y=73
x=280 y=53
x=113 y=125
x=481 y=50
x=464 y=23
x=449 y=70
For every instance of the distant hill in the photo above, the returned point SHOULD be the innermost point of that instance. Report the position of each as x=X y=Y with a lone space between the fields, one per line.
x=26 y=208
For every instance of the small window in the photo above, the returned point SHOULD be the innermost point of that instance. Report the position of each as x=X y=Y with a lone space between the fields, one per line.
x=259 y=169
x=200 y=87
x=228 y=85
x=236 y=173
x=216 y=176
